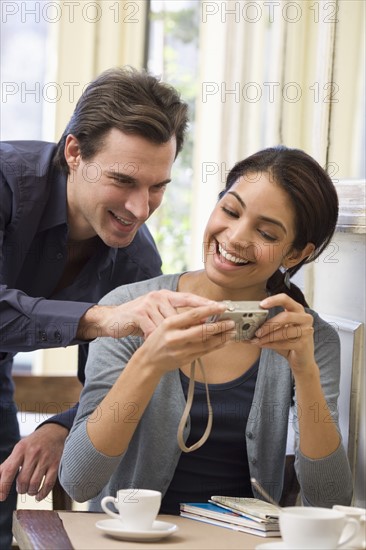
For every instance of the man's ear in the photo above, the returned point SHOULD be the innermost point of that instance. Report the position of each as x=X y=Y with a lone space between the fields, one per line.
x=296 y=256
x=72 y=152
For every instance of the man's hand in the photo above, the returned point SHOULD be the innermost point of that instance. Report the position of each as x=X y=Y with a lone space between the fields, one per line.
x=36 y=458
x=139 y=317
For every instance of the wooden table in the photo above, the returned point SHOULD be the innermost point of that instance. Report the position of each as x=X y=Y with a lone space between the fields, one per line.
x=49 y=530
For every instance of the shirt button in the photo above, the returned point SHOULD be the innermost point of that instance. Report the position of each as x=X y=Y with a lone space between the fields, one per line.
x=249 y=435
x=57 y=335
x=254 y=461
x=43 y=336
x=59 y=256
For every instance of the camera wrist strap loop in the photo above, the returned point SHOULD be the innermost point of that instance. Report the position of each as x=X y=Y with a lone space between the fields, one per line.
x=187 y=410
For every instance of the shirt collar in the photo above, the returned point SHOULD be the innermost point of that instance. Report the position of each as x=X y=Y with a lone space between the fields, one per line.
x=55 y=212
x=109 y=256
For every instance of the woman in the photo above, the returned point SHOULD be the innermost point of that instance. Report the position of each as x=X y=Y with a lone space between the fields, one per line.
x=278 y=211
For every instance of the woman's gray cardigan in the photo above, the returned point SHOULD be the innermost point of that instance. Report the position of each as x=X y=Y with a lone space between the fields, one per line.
x=153 y=453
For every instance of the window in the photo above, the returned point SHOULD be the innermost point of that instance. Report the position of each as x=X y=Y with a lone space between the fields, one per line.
x=347 y=132
x=173 y=54
x=27 y=100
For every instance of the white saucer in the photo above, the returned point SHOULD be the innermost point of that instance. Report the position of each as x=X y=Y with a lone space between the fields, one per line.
x=280 y=545
x=277 y=545
x=159 y=530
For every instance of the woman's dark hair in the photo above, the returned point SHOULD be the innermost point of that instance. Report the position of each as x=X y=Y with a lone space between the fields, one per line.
x=132 y=101
x=313 y=197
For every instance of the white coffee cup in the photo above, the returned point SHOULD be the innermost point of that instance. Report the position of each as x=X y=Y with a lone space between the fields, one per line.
x=359 y=541
x=137 y=508
x=307 y=528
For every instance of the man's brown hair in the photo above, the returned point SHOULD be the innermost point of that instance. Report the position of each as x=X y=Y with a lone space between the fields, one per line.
x=134 y=102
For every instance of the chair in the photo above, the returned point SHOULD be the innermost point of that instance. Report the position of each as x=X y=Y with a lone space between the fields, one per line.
x=351 y=335
x=44 y=396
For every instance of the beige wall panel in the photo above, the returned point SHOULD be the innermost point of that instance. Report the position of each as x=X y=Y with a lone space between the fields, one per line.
x=57 y=361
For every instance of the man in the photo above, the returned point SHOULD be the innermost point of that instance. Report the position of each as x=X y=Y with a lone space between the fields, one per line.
x=72 y=228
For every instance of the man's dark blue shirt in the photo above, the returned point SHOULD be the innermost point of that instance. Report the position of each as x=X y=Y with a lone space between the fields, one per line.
x=33 y=253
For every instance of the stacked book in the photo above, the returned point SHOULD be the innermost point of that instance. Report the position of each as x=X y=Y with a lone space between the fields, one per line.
x=249 y=515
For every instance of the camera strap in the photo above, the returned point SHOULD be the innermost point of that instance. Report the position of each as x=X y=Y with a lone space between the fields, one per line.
x=187 y=410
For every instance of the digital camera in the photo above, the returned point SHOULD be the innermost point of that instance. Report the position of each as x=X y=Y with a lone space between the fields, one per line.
x=248 y=317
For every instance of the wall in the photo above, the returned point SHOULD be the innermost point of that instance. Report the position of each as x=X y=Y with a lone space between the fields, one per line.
x=339 y=290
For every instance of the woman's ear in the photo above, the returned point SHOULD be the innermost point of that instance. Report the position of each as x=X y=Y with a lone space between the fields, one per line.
x=296 y=256
x=72 y=152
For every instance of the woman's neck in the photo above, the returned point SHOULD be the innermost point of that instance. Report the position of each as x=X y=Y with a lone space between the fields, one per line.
x=198 y=283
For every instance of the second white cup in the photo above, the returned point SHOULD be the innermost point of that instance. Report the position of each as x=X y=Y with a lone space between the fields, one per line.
x=359 y=541
x=137 y=508
x=307 y=528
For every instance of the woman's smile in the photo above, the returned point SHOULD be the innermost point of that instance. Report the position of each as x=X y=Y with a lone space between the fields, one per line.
x=229 y=257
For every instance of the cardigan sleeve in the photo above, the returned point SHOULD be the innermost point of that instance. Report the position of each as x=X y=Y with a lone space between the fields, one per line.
x=325 y=481
x=84 y=471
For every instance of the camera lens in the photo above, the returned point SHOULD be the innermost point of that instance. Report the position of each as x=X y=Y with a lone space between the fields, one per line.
x=246 y=326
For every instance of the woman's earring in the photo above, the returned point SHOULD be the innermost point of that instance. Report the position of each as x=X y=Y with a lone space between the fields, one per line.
x=286 y=279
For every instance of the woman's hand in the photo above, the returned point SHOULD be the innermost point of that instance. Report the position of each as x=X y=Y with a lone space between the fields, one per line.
x=178 y=340
x=290 y=333
x=184 y=337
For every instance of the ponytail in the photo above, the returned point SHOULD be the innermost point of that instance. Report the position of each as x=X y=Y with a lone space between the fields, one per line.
x=276 y=285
